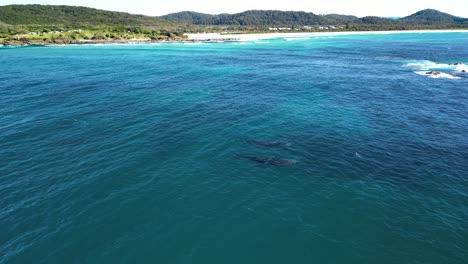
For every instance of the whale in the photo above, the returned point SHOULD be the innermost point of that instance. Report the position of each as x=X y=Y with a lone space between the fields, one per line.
x=269 y=161
x=266 y=143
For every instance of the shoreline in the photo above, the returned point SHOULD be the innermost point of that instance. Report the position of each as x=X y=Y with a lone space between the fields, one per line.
x=110 y=42
x=219 y=37
x=260 y=36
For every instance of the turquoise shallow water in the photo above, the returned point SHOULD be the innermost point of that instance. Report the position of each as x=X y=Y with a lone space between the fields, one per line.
x=129 y=153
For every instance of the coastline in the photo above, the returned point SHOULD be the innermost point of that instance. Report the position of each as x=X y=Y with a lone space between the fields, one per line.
x=107 y=42
x=260 y=36
x=219 y=37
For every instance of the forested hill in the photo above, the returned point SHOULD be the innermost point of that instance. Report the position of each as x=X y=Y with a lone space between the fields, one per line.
x=193 y=17
x=16 y=19
x=48 y=24
x=428 y=18
x=339 y=19
x=250 y=18
x=74 y=16
x=269 y=17
x=434 y=16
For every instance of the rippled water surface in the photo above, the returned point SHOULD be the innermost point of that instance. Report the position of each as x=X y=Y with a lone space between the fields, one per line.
x=132 y=153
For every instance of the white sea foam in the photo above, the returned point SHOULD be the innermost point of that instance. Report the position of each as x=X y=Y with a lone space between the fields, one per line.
x=422 y=67
x=441 y=75
x=430 y=65
x=462 y=68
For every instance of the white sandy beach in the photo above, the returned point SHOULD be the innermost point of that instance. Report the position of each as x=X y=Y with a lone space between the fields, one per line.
x=251 y=37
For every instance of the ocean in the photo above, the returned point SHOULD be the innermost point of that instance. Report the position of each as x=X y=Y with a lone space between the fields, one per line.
x=147 y=153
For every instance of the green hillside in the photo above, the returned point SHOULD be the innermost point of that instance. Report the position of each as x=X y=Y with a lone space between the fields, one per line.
x=75 y=16
x=39 y=24
x=273 y=18
x=425 y=19
x=340 y=19
x=47 y=24
x=373 y=20
x=192 y=17
x=429 y=16
x=250 y=18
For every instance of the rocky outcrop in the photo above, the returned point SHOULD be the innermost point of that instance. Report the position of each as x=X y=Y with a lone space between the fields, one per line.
x=66 y=41
x=457 y=63
x=433 y=73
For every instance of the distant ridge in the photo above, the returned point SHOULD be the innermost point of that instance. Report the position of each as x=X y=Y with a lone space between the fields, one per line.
x=193 y=17
x=428 y=18
x=253 y=20
x=434 y=16
x=375 y=20
x=337 y=18
x=250 y=18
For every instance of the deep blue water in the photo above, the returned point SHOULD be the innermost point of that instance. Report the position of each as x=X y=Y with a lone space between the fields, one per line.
x=130 y=153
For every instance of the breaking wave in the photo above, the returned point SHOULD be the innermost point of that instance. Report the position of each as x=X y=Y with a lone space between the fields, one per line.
x=439 y=75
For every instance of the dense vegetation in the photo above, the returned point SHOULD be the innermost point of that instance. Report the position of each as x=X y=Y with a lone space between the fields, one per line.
x=39 y=24
x=425 y=19
x=251 y=18
x=43 y=24
x=267 y=18
x=431 y=16
x=193 y=18
x=73 y=16
x=339 y=19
